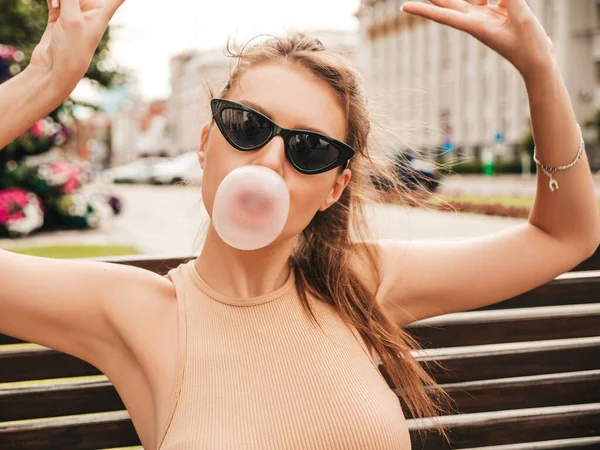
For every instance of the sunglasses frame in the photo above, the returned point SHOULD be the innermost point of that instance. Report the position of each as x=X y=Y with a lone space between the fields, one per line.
x=345 y=152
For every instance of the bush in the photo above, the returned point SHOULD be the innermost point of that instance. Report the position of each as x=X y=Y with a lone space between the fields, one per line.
x=465 y=167
x=512 y=166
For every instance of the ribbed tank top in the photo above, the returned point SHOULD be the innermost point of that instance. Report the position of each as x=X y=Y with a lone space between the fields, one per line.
x=257 y=374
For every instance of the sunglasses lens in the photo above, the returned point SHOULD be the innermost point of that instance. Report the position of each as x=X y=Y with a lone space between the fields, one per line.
x=310 y=152
x=245 y=129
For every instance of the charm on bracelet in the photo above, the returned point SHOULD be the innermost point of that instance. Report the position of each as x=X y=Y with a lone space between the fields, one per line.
x=550 y=171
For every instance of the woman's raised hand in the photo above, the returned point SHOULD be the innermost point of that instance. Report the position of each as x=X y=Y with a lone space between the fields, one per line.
x=508 y=27
x=74 y=30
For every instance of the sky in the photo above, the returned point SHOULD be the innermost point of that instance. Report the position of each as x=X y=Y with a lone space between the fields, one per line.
x=146 y=33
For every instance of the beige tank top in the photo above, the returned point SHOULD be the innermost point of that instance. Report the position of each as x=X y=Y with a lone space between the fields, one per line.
x=257 y=374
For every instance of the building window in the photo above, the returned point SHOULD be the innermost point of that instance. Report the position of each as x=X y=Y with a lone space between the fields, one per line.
x=597 y=71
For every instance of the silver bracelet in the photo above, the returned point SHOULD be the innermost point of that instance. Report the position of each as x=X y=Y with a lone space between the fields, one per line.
x=552 y=170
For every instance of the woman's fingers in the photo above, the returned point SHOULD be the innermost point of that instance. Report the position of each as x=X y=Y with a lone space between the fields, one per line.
x=458 y=5
x=52 y=17
x=53 y=11
x=70 y=10
x=445 y=16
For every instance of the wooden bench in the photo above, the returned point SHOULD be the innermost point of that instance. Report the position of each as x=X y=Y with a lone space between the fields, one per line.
x=526 y=370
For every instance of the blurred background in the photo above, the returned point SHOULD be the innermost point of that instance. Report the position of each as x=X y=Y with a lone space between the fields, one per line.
x=114 y=170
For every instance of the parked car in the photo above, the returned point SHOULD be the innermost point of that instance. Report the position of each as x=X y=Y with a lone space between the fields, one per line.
x=412 y=172
x=184 y=167
x=138 y=171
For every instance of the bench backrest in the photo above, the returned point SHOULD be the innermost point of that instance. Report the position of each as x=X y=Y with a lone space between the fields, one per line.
x=520 y=374
x=524 y=370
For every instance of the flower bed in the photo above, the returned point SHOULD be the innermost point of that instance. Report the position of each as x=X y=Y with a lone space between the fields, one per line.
x=489 y=207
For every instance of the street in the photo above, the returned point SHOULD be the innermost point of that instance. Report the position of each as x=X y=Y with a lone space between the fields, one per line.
x=169 y=220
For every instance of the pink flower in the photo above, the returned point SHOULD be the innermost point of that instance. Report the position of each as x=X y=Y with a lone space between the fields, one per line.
x=16 y=215
x=38 y=128
x=6 y=51
x=70 y=185
x=59 y=166
x=12 y=202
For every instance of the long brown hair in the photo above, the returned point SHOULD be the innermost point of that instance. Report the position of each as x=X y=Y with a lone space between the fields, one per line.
x=323 y=256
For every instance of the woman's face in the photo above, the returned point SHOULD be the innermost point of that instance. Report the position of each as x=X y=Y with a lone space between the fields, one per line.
x=293 y=98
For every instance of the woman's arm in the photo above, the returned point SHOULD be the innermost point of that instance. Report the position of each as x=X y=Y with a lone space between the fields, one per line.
x=57 y=64
x=424 y=278
x=24 y=99
x=570 y=213
x=75 y=307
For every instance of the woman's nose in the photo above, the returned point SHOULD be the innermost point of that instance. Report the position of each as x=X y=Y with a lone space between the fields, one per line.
x=272 y=155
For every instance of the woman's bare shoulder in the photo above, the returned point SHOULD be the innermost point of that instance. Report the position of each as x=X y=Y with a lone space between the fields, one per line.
x=145 y=309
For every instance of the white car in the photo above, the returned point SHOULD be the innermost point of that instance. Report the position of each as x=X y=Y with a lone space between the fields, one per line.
x=184 y=167
x=138 y=171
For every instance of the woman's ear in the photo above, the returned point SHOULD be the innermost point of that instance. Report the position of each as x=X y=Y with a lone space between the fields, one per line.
x=341 y=181
x=203 y=139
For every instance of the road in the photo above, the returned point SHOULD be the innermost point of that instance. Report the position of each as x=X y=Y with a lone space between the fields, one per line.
x=167 y=220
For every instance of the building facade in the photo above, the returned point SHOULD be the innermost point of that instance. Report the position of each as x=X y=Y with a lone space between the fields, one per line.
x=446 y=85
x=193 y=74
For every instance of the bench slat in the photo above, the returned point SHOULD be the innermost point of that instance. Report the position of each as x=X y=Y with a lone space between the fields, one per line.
x=511 y=325
x=513 y=360
x=508 y=427
x=557 y=444
x=64 y=399
x=488 y=362
x=567 y=289
x=152 y=263
x=526 y=392
x=89 y=432
x=41 y=363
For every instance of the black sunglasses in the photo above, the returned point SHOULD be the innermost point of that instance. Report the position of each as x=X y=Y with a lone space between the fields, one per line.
x=309 y=152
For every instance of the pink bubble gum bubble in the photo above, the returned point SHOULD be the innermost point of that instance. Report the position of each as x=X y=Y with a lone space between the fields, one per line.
x=251 y=207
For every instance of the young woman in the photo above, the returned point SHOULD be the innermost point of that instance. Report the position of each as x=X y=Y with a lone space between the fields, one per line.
x=277 y=348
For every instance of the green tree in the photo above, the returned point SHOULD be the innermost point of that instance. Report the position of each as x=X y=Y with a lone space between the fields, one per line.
x=527 y=142
x=594 y=122
x=22 y=23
